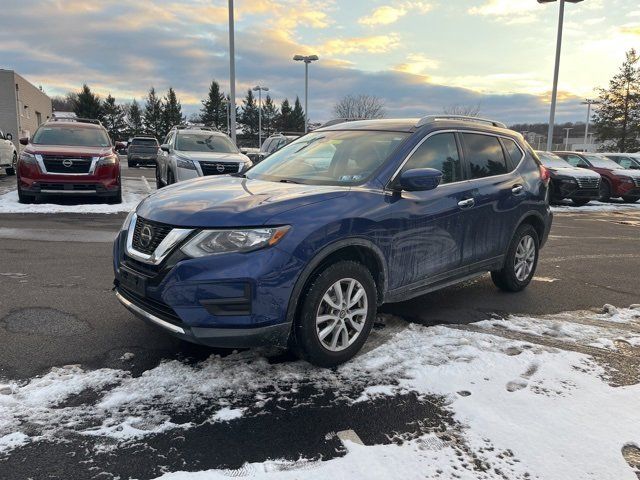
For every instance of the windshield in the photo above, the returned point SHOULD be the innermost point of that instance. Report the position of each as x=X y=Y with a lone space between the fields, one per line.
x=204 y=142
x=552 y=161
x=627 y=162
x=339 y=157
x=601 y=162
x=69 y=135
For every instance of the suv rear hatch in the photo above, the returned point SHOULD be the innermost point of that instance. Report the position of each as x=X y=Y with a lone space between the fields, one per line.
x=143 y=146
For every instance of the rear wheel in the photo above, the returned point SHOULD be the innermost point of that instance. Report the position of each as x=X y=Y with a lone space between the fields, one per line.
x=630 y=199
x=520 y=262
x=336 y=316
x=579 y=202
x=14 y=165
x=605 y=191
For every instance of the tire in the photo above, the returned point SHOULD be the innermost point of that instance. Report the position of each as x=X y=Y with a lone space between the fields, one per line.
x=159 y=183
x=509 y=278
x=579 y=202
x=170 y=178
x=630 y=199
x=115 y=199
x=307 y=344
x=14 y=165
x=24 y=198
x=605 y=191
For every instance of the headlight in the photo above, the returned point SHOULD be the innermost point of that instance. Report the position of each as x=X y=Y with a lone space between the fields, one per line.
x=211 y=242
x=626 y=179
x=28 y=158
x=108 y=160
x=182 y=162
x=569 y=180
x=127 y=220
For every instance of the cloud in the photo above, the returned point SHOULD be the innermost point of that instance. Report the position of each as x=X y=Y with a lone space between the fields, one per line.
x=417 y=64
x=370 y=44
x=508 y=11
x=387 y=14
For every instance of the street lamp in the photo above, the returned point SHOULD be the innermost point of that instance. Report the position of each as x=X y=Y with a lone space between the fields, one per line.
x=260 y=89
x=566 y=140
x=588 y=102
x=556 y=71
x=307 y=59
x=232 y=73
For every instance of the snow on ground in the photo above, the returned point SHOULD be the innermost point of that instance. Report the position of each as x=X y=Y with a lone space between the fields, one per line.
x=134 y=191
x=595 y=206
x=525 y=410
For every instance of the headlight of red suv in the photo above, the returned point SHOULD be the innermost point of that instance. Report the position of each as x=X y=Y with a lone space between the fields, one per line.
x=28 y=158
x=626 y=179
x=108 y=160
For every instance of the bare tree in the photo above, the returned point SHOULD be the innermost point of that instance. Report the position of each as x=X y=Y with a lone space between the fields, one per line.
x=466 y=110
x=359 y=107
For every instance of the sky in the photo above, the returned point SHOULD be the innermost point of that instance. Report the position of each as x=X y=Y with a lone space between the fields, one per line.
x=419 y=57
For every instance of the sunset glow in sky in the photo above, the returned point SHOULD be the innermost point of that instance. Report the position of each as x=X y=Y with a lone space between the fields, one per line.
x=418 y=56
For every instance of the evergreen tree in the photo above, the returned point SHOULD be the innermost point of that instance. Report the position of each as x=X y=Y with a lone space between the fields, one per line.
x=297 y=117
x=249 y=117
x=283 y=121
x=112 y=117
x=152 y=118
x=618 y=115
x=269 y=116
x=134 y=119
x=172 y=112
x=86 y=104
x=214 y=108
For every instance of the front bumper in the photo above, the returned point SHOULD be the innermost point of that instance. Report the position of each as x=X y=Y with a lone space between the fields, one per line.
x=562 y=188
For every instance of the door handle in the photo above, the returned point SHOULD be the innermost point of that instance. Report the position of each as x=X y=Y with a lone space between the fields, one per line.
x=469 y=202
x=517 y=190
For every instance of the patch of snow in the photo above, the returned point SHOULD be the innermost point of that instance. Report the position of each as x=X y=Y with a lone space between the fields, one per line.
x=227 y=414
x=134 y=191
x=127 y=356
x=13 y=440
x=545 y=279
x=595 y=206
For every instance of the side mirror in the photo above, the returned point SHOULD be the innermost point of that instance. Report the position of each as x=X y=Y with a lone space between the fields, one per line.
x=24 y=141
x=420 y=179
x=120 y=145
x=8 y=136
x=165 y=147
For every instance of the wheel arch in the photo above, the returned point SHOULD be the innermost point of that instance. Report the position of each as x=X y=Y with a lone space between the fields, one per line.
x=536 y=220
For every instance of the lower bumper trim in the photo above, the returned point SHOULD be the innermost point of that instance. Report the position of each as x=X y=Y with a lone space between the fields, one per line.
x=148 y=316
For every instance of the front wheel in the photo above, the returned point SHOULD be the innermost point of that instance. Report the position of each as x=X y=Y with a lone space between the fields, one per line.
x=579 y=202
x=14 y=165
x=520 y=262
x=170 y=178
x=336 y=316
x=605 y=191
x=159 y=183
x=630 y=199
x=24 y=198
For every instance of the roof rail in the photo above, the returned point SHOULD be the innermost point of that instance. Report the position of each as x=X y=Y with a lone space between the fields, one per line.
x=185 y=126
x=75 y=119
x=466 y=118
x=336 y=121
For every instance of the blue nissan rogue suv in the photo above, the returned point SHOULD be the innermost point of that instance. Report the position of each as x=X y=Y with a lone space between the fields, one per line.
x=301 y=249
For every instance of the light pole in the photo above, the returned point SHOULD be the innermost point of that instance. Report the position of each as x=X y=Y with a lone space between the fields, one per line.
x=556 y=71
x=307 y=59
x=232 y=73
x=566 y=140
x=260 y=89
x=588 y=103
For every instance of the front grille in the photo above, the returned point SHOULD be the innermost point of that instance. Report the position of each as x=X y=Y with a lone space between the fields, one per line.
x=219 y=168
x=159 y=309
x=153 y=235
x=56 y=164
x=588 y=182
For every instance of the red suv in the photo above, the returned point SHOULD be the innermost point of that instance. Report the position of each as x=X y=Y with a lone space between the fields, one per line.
x=616 y=181
x=69 y=157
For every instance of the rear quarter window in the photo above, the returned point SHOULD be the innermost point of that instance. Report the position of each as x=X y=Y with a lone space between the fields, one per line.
x=513 y=151
x=484 y=155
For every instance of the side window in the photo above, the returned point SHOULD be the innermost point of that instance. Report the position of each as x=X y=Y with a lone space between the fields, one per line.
x=440 y=152
x=625 y=162
x=515 y=154
x=484 y=155
x=576 y=161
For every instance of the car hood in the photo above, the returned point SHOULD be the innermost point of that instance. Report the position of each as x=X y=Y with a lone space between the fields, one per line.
x=226 y=201
x=68 y=150
x=575 y=172
x=626 y=172
x=214 y=157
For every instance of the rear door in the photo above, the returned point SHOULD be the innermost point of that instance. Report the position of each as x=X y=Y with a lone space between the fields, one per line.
x=498 y=194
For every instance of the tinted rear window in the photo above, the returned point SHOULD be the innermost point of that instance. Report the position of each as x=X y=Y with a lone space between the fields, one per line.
x=484 y=155
x=146 y=142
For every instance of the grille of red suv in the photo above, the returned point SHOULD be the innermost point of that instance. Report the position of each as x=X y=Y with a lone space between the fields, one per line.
x=61 y=164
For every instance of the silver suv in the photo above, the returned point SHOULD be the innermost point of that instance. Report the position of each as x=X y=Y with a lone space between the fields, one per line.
x=192 y=151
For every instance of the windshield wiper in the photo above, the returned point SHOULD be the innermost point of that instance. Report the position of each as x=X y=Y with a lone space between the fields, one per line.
x=288 y=180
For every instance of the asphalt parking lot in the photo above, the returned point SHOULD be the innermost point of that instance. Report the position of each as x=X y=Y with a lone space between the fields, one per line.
x=57 y=311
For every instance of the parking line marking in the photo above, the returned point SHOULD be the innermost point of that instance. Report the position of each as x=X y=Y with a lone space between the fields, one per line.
x=146 y=183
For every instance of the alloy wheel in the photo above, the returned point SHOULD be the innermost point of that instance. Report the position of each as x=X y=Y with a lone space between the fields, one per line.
x=341 y=314
x=525 y=258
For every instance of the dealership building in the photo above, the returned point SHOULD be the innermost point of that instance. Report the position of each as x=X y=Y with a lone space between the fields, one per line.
x=23 y=106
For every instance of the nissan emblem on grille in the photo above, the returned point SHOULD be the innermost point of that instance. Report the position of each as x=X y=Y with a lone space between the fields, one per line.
x=67 y=162
x=146 y=235
x=220 y=168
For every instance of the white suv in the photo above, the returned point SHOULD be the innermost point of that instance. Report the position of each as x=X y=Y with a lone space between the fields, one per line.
x=190 y=152
x=8 y=153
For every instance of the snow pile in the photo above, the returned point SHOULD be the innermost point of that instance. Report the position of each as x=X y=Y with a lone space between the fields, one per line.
x=595 y=206
x=134 y=191
x=524 y=410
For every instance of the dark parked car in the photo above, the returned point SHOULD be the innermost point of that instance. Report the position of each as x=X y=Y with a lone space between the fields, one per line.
x=616 y=181
x=567 y=181
x=301 y=249
x=69 y=157
x=142 y=151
